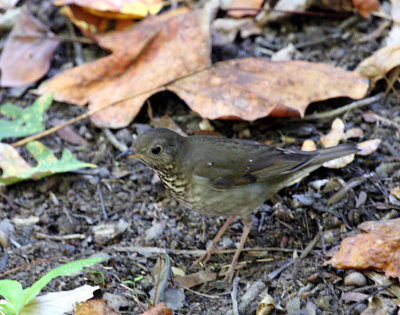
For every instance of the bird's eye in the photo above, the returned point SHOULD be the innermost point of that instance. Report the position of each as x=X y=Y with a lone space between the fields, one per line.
x=156 y=149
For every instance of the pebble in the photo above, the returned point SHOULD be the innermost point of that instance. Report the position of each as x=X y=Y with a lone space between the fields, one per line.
x=156 y=230
x=355 y=278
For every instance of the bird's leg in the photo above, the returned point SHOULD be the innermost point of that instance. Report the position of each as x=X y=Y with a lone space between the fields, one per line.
x=206 y=256
x=246 y=229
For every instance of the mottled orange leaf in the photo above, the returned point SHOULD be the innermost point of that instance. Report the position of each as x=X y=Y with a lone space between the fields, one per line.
x=27 y=53
x=253 y=5
x=156 y=51
x=377 y=248
x=366 y=7
x=94 y=307
x=252 y=88
x=122 y=9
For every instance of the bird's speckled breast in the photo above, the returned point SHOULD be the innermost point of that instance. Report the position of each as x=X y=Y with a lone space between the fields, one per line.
x=175 y=183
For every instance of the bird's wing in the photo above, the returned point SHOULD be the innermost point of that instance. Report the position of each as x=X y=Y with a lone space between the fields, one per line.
x=238 y=162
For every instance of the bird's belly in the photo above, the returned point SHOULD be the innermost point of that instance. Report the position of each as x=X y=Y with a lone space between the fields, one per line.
x=239 y=200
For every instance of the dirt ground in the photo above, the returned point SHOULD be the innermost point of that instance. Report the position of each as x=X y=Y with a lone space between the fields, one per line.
x=70 y=204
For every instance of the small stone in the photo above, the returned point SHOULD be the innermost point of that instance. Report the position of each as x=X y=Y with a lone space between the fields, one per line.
x=355 y=278
x=156 y=230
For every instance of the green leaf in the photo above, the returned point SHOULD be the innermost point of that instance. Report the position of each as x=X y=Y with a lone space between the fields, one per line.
x=24 y=121
x=12 y=291
x=63 y=270
x=16 y=169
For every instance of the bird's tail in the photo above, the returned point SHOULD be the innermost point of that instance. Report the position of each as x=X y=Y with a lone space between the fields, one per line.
x=335 y=152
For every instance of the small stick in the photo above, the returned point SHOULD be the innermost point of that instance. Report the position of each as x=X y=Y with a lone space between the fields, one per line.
x=60 y=237
x=79 y=118
x=341 y=110
x=114 y=141
x=158 y=281
x=103 y=206
x=61 y=38
x=34 y=262
x=234 y=296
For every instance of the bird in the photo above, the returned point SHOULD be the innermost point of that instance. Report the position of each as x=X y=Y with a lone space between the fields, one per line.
x=219 y=176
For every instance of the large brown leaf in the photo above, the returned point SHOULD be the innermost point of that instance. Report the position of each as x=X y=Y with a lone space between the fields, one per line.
x=27 y=53
x=252 y=88
x=155 y=52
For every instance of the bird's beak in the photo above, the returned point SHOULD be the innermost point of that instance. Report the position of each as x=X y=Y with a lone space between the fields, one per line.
x=130 y=154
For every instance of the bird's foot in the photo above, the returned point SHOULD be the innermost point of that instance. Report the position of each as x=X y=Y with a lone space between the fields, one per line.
x=229 y=274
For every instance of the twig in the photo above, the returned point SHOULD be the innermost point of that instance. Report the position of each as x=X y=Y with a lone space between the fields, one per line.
x=341 y=110
x=79 y=118
x=79 y=58
x=61 y=38
x=34 y=262
x=60 y=237
x=198 y=293
x=197 y=252
x=234 y=296
x=114 y=141
x=158 y=280
x=100 y=108
x=272 y=275
x=135 y=298
x=13 y=202
x=354 y=182
x=10 y=201
x=268 y=10
x=103 y=206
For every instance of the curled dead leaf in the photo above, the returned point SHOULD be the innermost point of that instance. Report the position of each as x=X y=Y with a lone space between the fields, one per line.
x=380 y=63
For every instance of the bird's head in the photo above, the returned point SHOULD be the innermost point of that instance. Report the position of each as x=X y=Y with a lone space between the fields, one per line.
x=156 y=148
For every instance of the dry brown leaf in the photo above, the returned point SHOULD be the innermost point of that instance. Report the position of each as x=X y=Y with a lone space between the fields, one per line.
x=94 y=307
x=380 y=63
x=194 y=279
x=68 y=133
x=368 y=147
x=26 y=59
x=372 y=117
x=122 y=9
x=253 y=5
x=167 y=122
x=161 y=54
x=378 y=248
x=366 y=7
x=252 y=88
x=159 y=309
